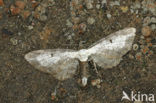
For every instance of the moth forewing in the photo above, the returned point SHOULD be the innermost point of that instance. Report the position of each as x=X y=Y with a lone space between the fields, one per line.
x=108 y=52
x=58 y=62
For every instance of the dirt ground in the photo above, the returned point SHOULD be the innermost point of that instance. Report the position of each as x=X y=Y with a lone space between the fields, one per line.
x=49 y=24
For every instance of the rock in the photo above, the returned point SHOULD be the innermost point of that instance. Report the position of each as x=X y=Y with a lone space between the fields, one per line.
x=68 y=23
x=135 y=47
x=82 y=28
x=98 y=6
x=95 y=82
x=13 y=41
x=146 y=21
x=109 y=16
x=20 y=4
x=91 y=20
x=146 y=31
x=30 y=27
x=153 y=20
x=153 y=26
x=89 y=6
x=26 y=14
x=1 y=3
x=14 y=10
x=43 y=17
x=124 y=9
x=138 y=56
x=115 y=3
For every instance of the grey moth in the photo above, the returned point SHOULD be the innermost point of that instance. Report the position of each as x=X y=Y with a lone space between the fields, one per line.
x=63 y=63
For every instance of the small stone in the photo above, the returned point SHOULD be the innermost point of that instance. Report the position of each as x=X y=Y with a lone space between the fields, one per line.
x=26 y=14
x=109 y=16
x=82 y=28
x=146 y=31
x=76 y=20
x=137 y=5
x=153 y=20
x=131 y=56
x=68 y=23
x=91 y=20
x=153 y=26
x=1 y=3
x=43 y=17
x=150 y=52
x=104 y=2
x=95 y=82
x=20 y=4
x=115 y=3
x=146 y=21
x=13 y=41
x=30 y=27
x=89 y=5
x=135 y=47
x=14 y=10
x=142 y=41
x=138 y=56
x=145 y=50
x=98 y=6
x=124 y=9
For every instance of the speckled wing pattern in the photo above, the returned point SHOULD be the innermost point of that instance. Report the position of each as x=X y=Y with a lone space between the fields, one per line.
x=63 y=63
x=57 y=62
x=109 y=50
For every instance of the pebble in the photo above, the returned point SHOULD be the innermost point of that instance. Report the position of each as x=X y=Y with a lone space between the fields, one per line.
x=124 y=9
x=30 y=27
x=104 y=2
x=89 y=5
x=95 y=82
x=109 y=16
x=138 y=56
x=43 y=17
x=146 y=31
x=146 y=21
x=153 y=20
x=131 y=56
x=82 y=27
x=98 y=6
x=153 y=26
x=135 y=47
x=91 y=20
x=1 y=3
x=13 y=41
x=20 y=4
x=68 y=23
x=115 y=3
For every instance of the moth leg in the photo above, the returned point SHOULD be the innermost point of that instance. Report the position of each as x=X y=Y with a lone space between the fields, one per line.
x=95 y=67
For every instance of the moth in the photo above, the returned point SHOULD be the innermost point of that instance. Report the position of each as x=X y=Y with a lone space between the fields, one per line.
x=63 y=63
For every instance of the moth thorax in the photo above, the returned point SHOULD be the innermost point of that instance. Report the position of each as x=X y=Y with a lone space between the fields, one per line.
x=84 y=72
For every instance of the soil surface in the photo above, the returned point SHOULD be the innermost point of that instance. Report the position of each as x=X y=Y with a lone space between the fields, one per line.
x=27 y=25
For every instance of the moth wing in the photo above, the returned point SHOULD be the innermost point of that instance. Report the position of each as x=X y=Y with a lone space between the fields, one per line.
x=108 y=52
x=61 y=63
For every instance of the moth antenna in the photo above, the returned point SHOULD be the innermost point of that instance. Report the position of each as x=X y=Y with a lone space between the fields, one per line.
x=84 y=72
